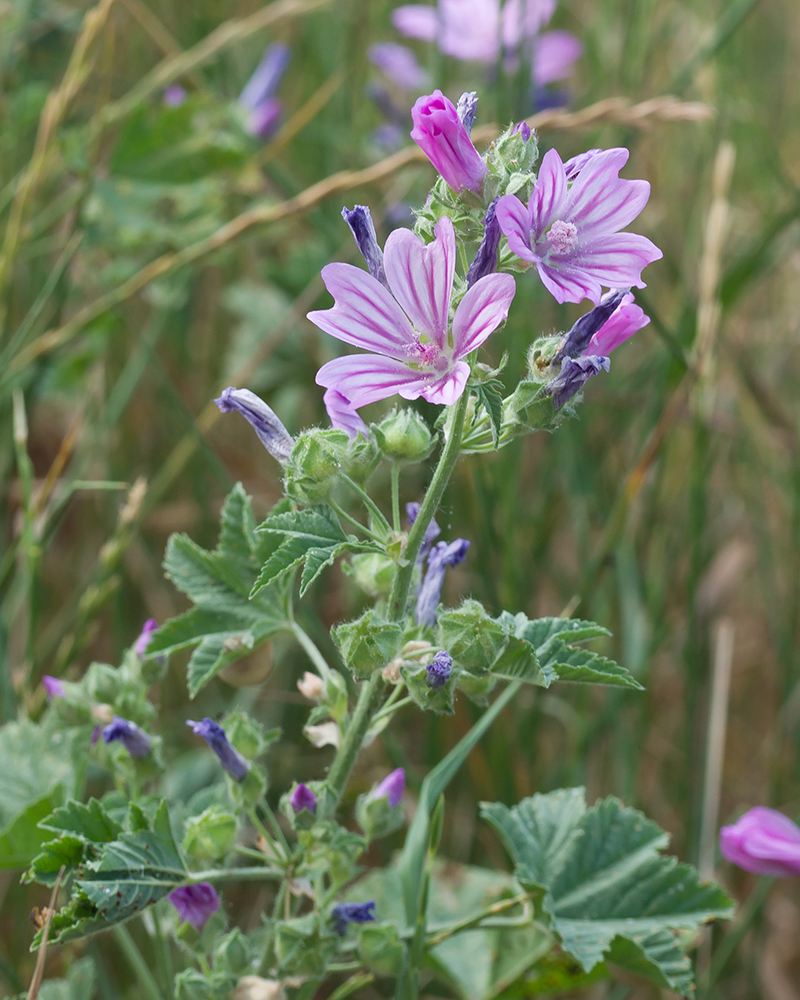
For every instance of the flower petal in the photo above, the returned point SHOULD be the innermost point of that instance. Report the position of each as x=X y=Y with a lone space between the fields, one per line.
x=600 y=200
x=519 y=25
x=481 y=311
x=515 y=223
x=553 y=56
x=365 y=314
x=621 y=324
x=470 y=29
x=445 y=391
x=421 y=277
x=365 y=378
x=615 y=260
x=342 y=414
x=416 y=21
x=549 y=194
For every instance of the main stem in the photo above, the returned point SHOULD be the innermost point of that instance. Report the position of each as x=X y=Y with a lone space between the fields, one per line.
x=371 y=693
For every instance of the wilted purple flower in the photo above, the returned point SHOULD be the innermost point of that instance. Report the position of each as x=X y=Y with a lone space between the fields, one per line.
x=763 y=841
x=399 y=65
x=135 y=740
x=303 y=798
x=342 y=414
x=415 y=352
x=95 y=735
x=392 y=788
x=54 y=688
x=445 y=140
x=626 y=319
x=351 y=913
x=195 y=903
x=440 y=670
x=443 y=554
x=140 y=646
x=584 y=329
x=574 y=374
x=359 y=219
x=485 y=261
x=262 y=418
x=432 y=532
x=258 y=96
x=571 y=232
x=230 y=758
x=574 y=165
x=174 y=96
x=479 y=30
x=467 y=108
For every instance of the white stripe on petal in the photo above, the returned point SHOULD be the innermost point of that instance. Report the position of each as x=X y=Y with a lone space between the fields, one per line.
x=481 y=311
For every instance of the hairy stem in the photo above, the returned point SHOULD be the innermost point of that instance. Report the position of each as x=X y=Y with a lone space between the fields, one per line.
x=138 y=964
x=433 y=497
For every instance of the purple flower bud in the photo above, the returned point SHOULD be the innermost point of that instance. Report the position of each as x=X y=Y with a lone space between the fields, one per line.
x=54 y=688
x=763 y=841
x=135 y=740
x=351 y=913
x=467 y=108
x=195 y=903
x=575 y=373
x=445 y=141
x=174 y=96
x=440 y=670
x=577 y=340
x=442 y=555
x=230 y=758
x=392 y=788
x=524 y=130
x=486 y=258
x=264 y=120
x=342 y=414
x=264 y=421
x=140 y=646
x=95 y=735
x=266 y=79
x=398 y=64
x=574 y=166
x=432 y=532
x=303 y=798
x=359 y=219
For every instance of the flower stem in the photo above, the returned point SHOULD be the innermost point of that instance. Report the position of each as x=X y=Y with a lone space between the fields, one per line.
x=433 y=497
x=369 y=503
x=137 y=963
x=312 y=651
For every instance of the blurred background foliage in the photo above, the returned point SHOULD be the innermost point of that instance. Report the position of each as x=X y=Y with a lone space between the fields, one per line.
x=153 y=255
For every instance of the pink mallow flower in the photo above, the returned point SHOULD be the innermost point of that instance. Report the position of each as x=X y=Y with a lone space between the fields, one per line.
x=763 y=841
x=480 y=30
x=443 y=137
x=414 y=352
x=571 y=232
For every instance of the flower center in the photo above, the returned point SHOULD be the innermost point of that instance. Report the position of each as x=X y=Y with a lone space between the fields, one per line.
x=427 y=356
x=563 y=236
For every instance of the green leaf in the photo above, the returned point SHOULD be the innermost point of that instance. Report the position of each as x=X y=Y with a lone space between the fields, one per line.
x=488 y=396
x=518 y=659
x=132 y=872
x=79 y=984
x=35 y=771
x=89 y=821
x=68 y=852
x=312 y=534
x=225 y=623
x=582 y=666
x=608 y=891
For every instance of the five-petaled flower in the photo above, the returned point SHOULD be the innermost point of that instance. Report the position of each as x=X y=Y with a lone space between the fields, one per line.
x=763 y=841
x=571 y=231
x=195 y=903
x=414 y=351
x=230 y=758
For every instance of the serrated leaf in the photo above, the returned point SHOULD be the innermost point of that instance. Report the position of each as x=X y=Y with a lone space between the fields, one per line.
x=584 y=667
x=21 y=839
x=68 y=851
x=89 y=821
x=490 y=399
x=215 y=652
x=518 y=659
x=609 y=891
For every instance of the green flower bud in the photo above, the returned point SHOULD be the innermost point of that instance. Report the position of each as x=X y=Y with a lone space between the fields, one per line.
x=361 y=459
x=471 y=637
x=381 y=949
x=192 y=985
x=317 y=459
x=540 y=356
x=404 y=436
x=371 y=572
x=102 y=683
x=232 y=953
x=511 y=159
x=303 y=946
x=368 y=643
x=210 y=835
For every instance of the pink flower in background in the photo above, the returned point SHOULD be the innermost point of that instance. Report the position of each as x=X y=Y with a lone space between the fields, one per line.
x=763 y=841
x=444 y=139
x=413 y=350
x=53 y=687
x=399 y=65
x=571 y=231
x=258 y=97
x=480 y=31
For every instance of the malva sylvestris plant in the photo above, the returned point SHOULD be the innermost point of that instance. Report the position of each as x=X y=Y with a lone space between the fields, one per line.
x=587 y=883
